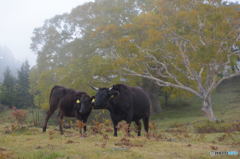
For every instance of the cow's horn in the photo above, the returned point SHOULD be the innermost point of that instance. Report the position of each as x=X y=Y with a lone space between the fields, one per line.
x=94 y=88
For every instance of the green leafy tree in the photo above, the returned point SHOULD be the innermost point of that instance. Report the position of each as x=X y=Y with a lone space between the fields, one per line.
x=24 y=98
x=186 y=45
x=8 y=89
x=72 y=48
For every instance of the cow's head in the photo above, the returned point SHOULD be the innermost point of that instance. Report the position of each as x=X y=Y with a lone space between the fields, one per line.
x=83 y=103
x=104 y=95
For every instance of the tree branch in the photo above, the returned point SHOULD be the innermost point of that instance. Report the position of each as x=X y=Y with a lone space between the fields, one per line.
x=161 y=82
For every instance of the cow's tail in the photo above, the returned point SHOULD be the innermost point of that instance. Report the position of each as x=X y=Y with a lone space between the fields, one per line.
x=50 y=96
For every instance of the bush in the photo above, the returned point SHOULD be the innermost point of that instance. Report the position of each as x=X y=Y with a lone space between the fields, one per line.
x=212 y=127
x=19 y=115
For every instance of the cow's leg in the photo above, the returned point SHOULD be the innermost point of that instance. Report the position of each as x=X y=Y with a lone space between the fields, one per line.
x=80 y=128
x=52 y=108
x=129 y=120
x=138 y=124
x=85 y=126
x=49 y=114
x=146 y=123
x=84 y=129
x=128 y=127
x=60 y=118
x=115 y=123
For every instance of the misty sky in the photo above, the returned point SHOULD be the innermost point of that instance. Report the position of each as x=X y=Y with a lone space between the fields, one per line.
x=20 y=17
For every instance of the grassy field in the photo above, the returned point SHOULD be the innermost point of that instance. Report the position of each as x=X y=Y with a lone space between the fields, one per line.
x=179 y=132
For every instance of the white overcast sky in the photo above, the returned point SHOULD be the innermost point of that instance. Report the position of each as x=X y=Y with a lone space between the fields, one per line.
x=18 y=18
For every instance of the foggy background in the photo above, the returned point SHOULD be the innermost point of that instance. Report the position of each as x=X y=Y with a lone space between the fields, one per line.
x=19 y=18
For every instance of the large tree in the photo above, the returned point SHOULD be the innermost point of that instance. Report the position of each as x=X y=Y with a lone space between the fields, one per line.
x=75 y=48
x=187 y=44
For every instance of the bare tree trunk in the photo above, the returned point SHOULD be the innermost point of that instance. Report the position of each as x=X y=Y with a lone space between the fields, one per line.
x=207 y=108
x=167 y=95
x=156 y=105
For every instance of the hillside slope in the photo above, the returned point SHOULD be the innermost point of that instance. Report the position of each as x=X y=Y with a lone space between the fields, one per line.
x=226 y=105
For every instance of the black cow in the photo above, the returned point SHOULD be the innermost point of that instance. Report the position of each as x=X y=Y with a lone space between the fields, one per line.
x=124 y=103
x=71 y=103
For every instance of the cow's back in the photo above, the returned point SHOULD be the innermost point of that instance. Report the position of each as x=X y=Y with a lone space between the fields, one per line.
x=61 y=97
x=57 y=92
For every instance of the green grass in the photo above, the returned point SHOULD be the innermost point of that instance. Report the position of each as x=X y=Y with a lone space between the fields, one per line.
x=41 y=155
x=52 y=145
x=174 y=134
x=226 y=106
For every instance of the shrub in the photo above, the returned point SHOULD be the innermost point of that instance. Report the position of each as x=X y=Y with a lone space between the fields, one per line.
x=19 y=115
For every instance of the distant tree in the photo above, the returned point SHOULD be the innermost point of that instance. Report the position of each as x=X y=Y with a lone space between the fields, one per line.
x=8 y=89
x=23 y=96
x=34 y=87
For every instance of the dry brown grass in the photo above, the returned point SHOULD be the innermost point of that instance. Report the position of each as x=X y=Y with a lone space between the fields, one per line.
x=100 y=144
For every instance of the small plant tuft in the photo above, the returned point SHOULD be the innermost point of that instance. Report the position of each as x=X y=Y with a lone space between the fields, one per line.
x=19 y=115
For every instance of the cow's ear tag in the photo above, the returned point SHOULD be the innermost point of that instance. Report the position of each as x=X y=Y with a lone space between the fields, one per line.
x=78 y=101
x=93 y=100
x=112 y=96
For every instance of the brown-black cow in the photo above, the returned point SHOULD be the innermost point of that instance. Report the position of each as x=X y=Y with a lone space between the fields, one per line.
x=124 y=103
x=71 y=103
